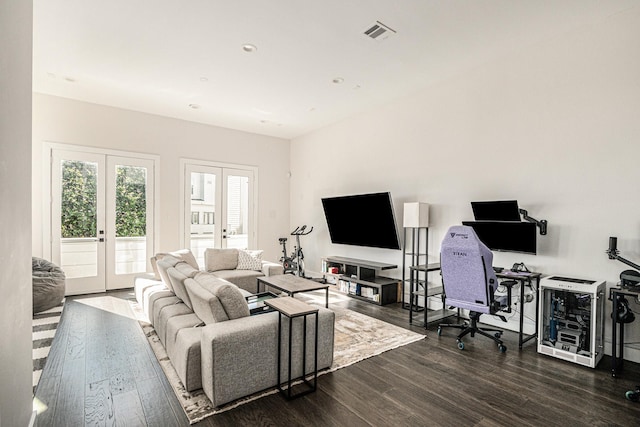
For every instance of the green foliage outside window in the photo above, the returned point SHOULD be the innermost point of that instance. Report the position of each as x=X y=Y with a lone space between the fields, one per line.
x=79 y=194
x=78 y=199
x=131 y=202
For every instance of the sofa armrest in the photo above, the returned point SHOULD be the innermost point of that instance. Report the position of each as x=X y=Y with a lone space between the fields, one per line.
x=271 y=268
x=237 y=357
x=240 y=356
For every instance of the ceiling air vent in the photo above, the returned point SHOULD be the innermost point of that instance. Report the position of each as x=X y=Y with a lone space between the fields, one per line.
x=379 y=31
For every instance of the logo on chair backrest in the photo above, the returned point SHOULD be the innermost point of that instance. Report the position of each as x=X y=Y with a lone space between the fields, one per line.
x=457 y=253
x=464 y=236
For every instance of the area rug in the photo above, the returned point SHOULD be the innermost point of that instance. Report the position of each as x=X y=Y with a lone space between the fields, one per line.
x=44 y=327
x=357 y=337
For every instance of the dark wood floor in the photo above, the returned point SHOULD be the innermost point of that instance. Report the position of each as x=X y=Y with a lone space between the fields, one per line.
x=101 y=371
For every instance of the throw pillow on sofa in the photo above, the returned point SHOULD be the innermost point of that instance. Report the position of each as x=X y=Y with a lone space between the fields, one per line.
x=249 y=260
x=220 y=259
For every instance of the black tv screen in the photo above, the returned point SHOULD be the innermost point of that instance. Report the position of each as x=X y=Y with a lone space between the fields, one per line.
x=500 y=210
x=362 y=220
x=508 y=236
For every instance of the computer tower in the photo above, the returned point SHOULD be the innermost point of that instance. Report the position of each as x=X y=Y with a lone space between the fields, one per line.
x=571 y=322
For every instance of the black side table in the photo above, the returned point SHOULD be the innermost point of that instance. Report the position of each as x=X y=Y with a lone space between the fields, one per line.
x=292 y=308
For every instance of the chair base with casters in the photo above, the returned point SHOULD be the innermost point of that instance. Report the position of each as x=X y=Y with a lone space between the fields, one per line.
x=473 y=328
x=633 y=395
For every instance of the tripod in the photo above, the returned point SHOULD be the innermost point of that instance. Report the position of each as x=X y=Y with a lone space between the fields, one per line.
x=294 y=264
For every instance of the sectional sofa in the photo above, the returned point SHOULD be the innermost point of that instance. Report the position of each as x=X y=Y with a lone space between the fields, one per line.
x=202 y=318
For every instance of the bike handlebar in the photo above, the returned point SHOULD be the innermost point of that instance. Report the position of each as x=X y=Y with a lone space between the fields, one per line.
x=300 y=231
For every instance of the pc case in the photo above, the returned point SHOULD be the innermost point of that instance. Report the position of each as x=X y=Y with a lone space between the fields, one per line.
x=571 y=324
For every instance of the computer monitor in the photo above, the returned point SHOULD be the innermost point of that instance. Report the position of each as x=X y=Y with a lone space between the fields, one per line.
x=507 y=236
x=499 y=210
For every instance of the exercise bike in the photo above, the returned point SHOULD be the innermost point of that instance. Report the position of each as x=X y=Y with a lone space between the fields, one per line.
x=294 y=264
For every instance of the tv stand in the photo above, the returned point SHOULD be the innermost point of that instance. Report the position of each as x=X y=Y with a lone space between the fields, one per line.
x=359 y=279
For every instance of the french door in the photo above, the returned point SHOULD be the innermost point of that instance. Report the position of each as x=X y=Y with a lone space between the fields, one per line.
x=219 y=209
x=101 y=218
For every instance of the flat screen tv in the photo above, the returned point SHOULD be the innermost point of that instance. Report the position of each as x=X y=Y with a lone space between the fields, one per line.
x=499 y=210
x=362 y=220
x=507 y=236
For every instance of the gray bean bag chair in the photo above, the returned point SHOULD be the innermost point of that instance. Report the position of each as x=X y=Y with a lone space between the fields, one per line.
x=48 y=284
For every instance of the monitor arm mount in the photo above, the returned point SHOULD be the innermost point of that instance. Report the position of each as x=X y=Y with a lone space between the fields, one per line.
x=613 y=252
x=627 y=277
x=541 y=224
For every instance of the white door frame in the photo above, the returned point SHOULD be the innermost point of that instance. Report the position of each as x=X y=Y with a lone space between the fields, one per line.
x=47 y=185
x=187 y=165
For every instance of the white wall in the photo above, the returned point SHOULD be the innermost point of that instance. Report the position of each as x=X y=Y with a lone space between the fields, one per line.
x=15 y=226
x=554 y=125
x=66 y=121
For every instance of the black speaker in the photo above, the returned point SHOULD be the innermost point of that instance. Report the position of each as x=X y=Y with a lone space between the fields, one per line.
x=625 y=315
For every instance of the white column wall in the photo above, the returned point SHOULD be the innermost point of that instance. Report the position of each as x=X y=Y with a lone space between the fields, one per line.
x=554 y=125
x=67 y=121
x=15 y=224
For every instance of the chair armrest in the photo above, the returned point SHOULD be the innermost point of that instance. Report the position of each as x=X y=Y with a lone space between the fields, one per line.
x=271 y=268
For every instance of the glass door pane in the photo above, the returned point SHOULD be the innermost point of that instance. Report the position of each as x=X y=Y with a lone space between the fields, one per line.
x=131 y=219
x=78 y=219
x=202 y=212
x=237 y=212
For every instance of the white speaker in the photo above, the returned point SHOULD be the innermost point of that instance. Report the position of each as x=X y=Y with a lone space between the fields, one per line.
x=416 y=214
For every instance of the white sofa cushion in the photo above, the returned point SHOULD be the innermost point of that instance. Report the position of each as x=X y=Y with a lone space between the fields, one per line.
x=216 y=300
x=220 y=259
x=205 y=305
x=163 y=265
x=183 y=254
x=177 y=276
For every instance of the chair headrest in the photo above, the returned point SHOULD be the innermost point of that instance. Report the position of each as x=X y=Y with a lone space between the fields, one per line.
x=463 y=237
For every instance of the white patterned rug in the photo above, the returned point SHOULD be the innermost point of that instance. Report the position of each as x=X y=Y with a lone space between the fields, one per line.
x=357 y=337
x=45 y=325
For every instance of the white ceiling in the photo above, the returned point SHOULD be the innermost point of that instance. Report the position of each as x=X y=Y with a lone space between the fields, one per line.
x=161 y=56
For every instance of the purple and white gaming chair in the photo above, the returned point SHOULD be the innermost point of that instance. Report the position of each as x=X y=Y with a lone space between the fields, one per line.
x=469 y=281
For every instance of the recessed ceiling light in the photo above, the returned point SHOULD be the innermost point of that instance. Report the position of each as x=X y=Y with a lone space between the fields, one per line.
x=204 y=79
x=70 y=79
x=194 y=106
x=247 y=47
x=338 y=80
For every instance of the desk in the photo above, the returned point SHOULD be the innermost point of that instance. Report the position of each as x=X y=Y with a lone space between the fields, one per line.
x=525 y=279
x=617 y=353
